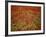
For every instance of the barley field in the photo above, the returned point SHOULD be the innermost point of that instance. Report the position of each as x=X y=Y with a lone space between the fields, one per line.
x=25 y=18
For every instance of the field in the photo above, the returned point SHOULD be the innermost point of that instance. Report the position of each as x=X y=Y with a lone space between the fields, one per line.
x=25 y=18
